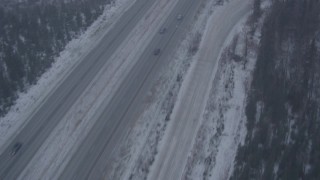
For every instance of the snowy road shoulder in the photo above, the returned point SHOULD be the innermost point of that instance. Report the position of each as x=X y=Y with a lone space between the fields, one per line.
x=186 y=117
x=223 y=128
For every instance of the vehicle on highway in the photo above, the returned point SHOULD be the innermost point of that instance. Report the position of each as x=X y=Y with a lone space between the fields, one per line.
x=16 y=148
x=179 y=17
x=162 y=30
x=156 y=52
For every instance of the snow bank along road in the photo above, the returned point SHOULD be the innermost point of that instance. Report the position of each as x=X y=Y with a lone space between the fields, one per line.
x=93 y=156
x=178 y=140
x=112 y=121
x=43 y=121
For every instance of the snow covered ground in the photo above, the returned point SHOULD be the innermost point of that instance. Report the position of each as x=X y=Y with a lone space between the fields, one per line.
x=186 y=116
x=28 y=102
x=223 y=128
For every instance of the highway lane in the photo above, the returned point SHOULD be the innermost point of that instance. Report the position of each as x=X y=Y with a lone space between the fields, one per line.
x=108 y=157
x=45 y=118
x=96 y=151
x=178 y=140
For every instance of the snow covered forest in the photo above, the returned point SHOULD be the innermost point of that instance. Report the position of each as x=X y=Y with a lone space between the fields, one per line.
x=32 y=34
x=283 y=110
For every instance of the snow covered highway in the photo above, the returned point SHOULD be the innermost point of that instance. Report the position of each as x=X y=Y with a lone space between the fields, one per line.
x=44 y=119
x=159 y=89
x=83 y=128
x=92 y=157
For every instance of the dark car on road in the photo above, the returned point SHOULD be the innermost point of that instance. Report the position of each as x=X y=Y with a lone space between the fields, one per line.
x=156 y=52
x=16 y=148
x=162 y=30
